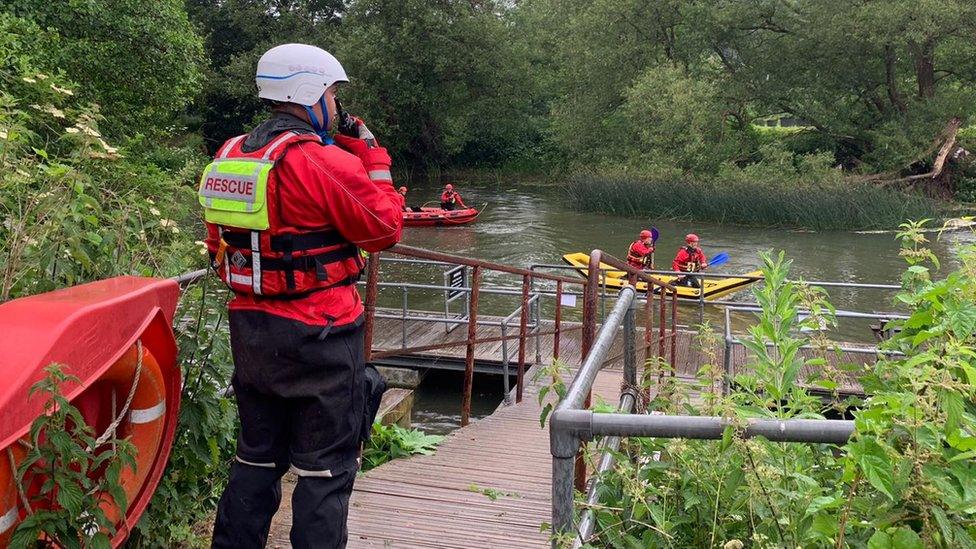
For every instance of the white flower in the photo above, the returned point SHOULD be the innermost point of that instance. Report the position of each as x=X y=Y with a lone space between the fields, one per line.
x=29 y=80
x=203 y=246
x=154 y=211
x=40 y=76
x=65 y=91
x=3 y=134
x=22 y=172
x=150 y=200
x=175 y=229
x=89 y=131
x=72 y=129
x=166 y=222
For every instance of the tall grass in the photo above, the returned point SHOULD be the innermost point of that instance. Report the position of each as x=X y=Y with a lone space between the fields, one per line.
x=802 y=205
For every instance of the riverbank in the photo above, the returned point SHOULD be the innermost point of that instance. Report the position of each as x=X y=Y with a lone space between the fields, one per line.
x=824 y=205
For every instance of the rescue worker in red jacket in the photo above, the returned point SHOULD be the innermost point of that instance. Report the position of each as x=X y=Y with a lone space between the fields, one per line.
x=287 y=213
x=451 y=199
x=690 y=259
x=639 y=253
x=403 y=192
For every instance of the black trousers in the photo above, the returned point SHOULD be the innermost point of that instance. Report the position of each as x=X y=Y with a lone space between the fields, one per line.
x=690 y=281
x=301 y=397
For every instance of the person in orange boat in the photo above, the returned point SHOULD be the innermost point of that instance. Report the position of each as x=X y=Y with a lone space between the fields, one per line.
x=451 y=199
x=305 y=396
x=690 y=259
x=403 y=193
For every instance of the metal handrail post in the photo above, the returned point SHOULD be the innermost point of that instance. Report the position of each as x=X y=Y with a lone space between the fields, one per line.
x=505 y=380
x=630 y=345
x=727 y=378
x=469 y=353
x=372 y=277
x=538 y=328
x=523 y=324
x=403 y=320
x=701 y=299
x=558 y=320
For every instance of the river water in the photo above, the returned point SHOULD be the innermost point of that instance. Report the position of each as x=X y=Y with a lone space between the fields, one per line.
x=525 y=223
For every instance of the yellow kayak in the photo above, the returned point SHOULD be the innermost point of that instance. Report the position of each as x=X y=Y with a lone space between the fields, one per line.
x=715 y=288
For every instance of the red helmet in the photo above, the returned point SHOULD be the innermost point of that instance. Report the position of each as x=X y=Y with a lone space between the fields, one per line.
x=402 y=190
x=448 y=187
x=691 y=238
x=645 y=234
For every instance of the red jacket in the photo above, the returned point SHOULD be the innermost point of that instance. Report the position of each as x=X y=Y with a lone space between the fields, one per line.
x=689 y=261
x=327 y=187
x=638 y=255
x=451 y=197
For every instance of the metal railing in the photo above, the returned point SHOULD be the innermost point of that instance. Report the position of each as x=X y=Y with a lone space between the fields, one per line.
x=528 y=306
x=571 y=423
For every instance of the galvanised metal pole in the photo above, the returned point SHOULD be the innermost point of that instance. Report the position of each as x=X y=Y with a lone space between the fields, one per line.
x=403 y=321
x=469 y=354
x=523 y=323
x=824 y=431
x=630 y=345
x=727 y=378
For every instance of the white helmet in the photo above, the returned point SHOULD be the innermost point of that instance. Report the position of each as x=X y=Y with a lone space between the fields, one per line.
x=297 y=73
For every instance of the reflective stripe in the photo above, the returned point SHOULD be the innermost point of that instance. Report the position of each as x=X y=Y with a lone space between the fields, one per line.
x=148 y=415
x=380 y=174
x=306 y=473
x=277 y=143
x=8 y=519
x=256 y=262
x=230 y=145
x=270 y=465
x=239 y=279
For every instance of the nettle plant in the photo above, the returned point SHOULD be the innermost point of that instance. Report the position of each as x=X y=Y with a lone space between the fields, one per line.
x=905 y=479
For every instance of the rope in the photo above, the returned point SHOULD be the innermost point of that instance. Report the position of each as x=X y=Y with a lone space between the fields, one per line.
x=451 y=221
x=20 y=486
x=110 y=430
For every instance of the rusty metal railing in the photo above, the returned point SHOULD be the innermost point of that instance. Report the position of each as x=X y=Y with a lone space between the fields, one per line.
x=478 y=267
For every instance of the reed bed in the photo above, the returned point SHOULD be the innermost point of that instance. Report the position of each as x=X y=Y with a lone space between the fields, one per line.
x=803 y=205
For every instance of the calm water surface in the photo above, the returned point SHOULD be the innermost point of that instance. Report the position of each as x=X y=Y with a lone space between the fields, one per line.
x=524 y=224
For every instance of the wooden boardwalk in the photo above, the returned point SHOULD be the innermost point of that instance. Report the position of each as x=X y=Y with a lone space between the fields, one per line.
x=488 y=484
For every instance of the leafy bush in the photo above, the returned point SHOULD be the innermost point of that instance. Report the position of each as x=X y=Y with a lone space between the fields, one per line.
x=390 y=442
x=206 y=434
x=906 y=478
x=80 y=468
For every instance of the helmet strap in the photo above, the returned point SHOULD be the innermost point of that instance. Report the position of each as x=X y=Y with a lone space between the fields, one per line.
x=321 y=130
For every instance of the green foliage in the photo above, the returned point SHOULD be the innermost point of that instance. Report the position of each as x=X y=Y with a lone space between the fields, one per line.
x=76 y=208
x=905 y=479
x=389 y=442
x=437 y=80
x=790 y=192
x=554 y=386
x=138 y=60
x=76 y=478
x=205 y=436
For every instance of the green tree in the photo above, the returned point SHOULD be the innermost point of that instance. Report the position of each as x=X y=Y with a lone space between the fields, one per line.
x=438 y=80
x=138 y=60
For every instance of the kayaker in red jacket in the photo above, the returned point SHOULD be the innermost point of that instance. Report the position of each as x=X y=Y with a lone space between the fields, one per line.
x=286 y=238
x=690 y=259
x=639 y=253
x=451 y=199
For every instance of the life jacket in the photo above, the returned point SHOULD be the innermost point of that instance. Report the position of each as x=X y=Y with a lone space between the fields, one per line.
x=692 y=265
x=251 y=248
x=634 y=258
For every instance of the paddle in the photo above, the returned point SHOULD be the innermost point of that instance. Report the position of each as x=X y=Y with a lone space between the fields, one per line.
x=654 y=234
x=719 y=259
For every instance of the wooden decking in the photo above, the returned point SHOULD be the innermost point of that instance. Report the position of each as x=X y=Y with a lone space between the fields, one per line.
x=488 y=484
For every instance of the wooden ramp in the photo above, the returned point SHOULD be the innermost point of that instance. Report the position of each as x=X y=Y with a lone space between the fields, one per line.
x=488 y=485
